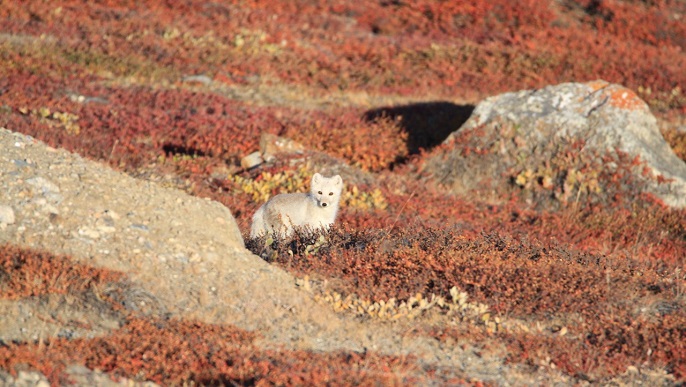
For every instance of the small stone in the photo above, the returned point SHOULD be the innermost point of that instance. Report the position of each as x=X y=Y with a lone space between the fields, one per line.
x=89 y=233
x=43 y=383
x=44 y=185
x=77 y=98
x=252 y=160
x=31 y=378
x=271 y=145
x=138 y=226
x=106 y=229
x=21 y=163
x=203 y=79
x=6 y=215
x=112 y=214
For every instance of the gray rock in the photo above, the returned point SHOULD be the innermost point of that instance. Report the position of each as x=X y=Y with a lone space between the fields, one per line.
x=43 y=185
x=22 y=163
x=49 y=190
x=140 y=227
x=607 y=118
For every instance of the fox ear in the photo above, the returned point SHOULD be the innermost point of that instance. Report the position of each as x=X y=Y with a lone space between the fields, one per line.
x=338 y=180
x=316 y=178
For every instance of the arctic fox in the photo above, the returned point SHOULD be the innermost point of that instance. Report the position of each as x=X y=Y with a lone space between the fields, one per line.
x=316 y=209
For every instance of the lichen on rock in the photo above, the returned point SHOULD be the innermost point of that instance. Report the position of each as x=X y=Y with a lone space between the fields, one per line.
x=552 y=133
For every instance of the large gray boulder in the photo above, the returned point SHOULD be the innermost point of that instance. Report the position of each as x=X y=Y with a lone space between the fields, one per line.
x=567 y=138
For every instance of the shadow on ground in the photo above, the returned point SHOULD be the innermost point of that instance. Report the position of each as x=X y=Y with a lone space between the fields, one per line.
x=427 y=124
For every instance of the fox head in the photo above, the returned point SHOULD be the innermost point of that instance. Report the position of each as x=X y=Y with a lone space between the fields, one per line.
x=326 y=190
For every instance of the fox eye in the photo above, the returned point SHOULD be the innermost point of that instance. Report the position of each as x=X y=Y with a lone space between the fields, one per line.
x=330 y=193
x=320 y=192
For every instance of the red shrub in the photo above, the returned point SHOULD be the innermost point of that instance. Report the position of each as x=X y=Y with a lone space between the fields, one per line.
x=177 y=352
x=28 y=273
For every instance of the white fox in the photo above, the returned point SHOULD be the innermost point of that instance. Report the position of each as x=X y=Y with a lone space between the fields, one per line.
x=316 y=209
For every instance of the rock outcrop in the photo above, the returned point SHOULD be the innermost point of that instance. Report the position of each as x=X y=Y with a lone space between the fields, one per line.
x=523 y=137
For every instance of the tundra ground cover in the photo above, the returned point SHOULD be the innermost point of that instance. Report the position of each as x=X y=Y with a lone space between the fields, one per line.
x=180 y=93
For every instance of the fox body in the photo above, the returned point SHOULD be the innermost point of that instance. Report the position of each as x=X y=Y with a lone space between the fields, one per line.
x=315 y=209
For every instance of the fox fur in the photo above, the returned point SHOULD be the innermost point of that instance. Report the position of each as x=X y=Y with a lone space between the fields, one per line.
x=313 y=210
